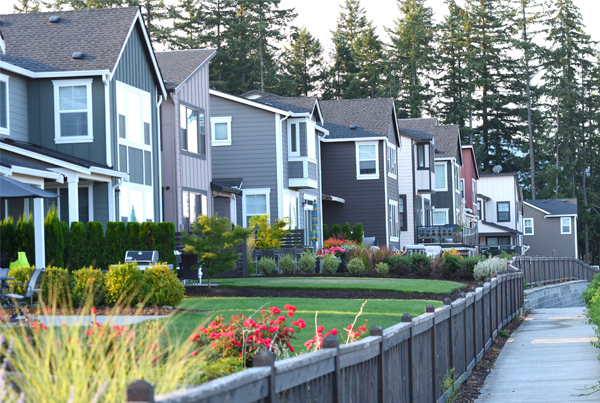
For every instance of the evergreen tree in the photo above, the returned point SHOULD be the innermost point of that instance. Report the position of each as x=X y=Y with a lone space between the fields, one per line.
x=27 y=6
x=302 y=65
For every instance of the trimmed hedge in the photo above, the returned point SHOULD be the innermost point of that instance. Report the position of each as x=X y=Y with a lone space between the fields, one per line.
x=78 y=250
x=88 y=287
x=163 y=287
x=115 y=244
x=57 y=286
x=94 y=235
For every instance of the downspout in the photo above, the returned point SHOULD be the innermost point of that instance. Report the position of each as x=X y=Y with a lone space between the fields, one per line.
x=279 y=162
x=108 y=128
x=414 y=191
x=158 y=181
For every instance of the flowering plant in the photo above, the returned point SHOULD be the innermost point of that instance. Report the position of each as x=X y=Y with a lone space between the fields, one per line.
x=352 y=335
x=452 y=252
x=334 y=250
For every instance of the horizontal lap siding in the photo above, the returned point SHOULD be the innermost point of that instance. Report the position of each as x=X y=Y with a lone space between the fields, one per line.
x=406 y=187
x=170 y=156
x=17 y=103
x=547 y=239
x=101 y=202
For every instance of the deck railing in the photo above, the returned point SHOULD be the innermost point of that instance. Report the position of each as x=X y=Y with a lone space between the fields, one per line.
x=545 y=270
x=447 y=234
x=404 y=363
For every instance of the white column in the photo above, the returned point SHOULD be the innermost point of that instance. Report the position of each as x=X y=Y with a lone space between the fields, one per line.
x=38 y=224
x=73 y=182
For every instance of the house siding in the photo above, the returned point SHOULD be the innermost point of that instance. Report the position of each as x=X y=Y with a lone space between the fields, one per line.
x=101 y=203
x=406 y=187
x=296 y=169
x=17 y=104
x=547 y=239
x=392 y=183
x=445 y=199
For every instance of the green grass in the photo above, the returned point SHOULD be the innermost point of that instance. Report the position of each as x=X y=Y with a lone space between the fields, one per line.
x=332 y=313
x=405 y=286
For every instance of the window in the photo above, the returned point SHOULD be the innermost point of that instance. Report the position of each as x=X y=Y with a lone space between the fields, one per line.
x=73 y=111
x=194 y=204
x=311 y=141
x=294 y=139
x=393 y=220
x=440 y=216
x=528 y=226
x=392 y=168
x=479 y=210
x=498 y=240
x=256 y=202
x=565 y=225
x=503 y=211
x=474 y=192
x=462 y=188
x=192 y=129
x=290 y=208
x=422 y=162
x=221 y=131
x=367 y=161
x=4 y=104
x=457 y=178
x=441 y=180
x=402 y=212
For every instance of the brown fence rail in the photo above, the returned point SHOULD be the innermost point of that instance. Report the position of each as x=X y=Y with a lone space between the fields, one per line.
x=545 y=270
x=404 y=363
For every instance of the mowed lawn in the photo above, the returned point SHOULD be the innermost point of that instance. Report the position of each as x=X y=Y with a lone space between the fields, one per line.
x=406 y=286
x=331 y=313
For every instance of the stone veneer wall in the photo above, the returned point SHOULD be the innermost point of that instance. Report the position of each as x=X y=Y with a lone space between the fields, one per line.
x=562 y=295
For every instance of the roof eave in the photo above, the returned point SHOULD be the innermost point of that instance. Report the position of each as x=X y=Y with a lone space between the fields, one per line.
x=51 y=74
x=205 y=62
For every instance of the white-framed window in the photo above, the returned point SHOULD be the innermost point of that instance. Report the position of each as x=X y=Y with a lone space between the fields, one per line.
x=73 y=111
x=311 y=141
x=220 y=131
x=4 y=118
x=528 y=226
x=503 y=211
x=565 y=225
x=393 y=223
x=192 y=129
x=136 y=202
x=367 y=160
x=440 y=216
x=422 y=158
x=392 y=161
x=294 y=139
x=441 y=178
x=479 y=210
x=134 y=113
x=462 y=188
x=474 y=191
x=290 y=208
x=255 y=202
x=194 y=204
x=457 y=178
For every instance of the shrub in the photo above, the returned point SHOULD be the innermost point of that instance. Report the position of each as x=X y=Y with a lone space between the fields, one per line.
x=452 y=262
x=306 y=263
x=287 y=264
x=356 y=265
x=8 y=237
x=57 y=286
x=266 y=265
x=21 y=274
x=88 y=287
x=133 y=236
x=468 y=266
x=489 y=268
x=325 y=231
x=163 y=287
x=398 y=264
x=78 y=249
x=335 y=231
x=54 y=239
x=331 y=242
x=591 y=290
x=376 y=255
x=148 y=235
x=419 y=259
x=64 y=227
x=346 y=231
x=125 y=282
x=357 y=233
x=26 y=237
x=115 y=242
x=438 y=268
x=94 y=235
x=382 y=268
x=269 y=236
x=329 y=264
x=165 y=242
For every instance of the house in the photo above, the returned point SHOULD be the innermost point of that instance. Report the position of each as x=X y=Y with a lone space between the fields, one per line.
x=500 y=205
x=186 y=136
x=469 y=177
x=550 y=227
x=80 y=112
x=359 y=161
x=268 y=149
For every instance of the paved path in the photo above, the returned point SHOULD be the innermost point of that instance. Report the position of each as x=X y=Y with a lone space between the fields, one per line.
x=548 y=359
x=76 y=320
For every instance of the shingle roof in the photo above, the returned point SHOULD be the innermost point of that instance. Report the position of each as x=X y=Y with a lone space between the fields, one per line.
x=10 y=162
x=415 y=134
x=447 y=141
x=370 y=116
x=177 y=65
x=556 y=206
x=35 y=44
x=419 y=124
x=293 y=104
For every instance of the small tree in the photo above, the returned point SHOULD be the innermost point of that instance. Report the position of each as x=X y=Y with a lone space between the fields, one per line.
x=8 y=237
x=268 y=236
x=115 y=242
x=133 y=236
x=165 y=242
x=78 y=249
x=215 y=245
x=54 y=239
x=335 y=231
x=26 y=237
x=64 y=227
x=94 y=235
x=357 y=233
x=346 y=231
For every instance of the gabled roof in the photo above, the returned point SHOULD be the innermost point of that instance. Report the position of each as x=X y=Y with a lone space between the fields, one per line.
x=358 y=118
x=177 y=66
x=555 y=206
x=293 y=104
x=474 y=159
x=425 y=125
x=447 y=142
x=415 y=134
x=233 y=185
x=500 y=227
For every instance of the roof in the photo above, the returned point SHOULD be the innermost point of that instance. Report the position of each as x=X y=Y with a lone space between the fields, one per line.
x=271 y=107
x=498 y=226
x=487 y=175
x=425 y=125
x=357 y=118
x=35 y=44
x=416 y=135
x=447 y=142
x=233 y=185
x=178 y=65
x=10 y=162
x=293 y=104
x=556 y=206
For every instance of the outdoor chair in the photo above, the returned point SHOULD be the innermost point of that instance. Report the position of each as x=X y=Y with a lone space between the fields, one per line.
x=14 y=300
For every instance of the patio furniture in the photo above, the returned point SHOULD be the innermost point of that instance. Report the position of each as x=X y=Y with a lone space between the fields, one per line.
x=14 y=300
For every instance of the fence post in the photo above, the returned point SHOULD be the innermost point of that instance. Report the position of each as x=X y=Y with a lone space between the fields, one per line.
x=333 y=342
x=140 y=391
x=265 y=358
x=448 y=301
x=244 y=259
x=378 y=331
x=407 y=318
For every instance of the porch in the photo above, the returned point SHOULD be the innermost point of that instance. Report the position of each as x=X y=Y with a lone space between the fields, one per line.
x=447 y=235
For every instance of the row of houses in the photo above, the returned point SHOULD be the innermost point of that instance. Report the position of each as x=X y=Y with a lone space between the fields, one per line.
x=89 y=111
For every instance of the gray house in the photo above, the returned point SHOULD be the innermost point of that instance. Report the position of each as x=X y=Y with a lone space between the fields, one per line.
x=550 y=227
x=267 y=148
x=186 y=151
x=82 y=118
x=360 y=167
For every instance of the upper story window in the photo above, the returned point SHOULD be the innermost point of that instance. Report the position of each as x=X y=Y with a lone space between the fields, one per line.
x=311 y=141
x=440 y=216
x=565 y=225
x=392 y=162
x=457 y=180
x=192 y=128
x=402 y=219
x=479 y=210
x=73 y=111
x=367 y=160
x=503 y=211
x=134 y=114
x=4 y=104
x=422 y=160
x=294 y=139
x=441 y=178
x=221 y=131
x=474 y=191
x=462 y=188
x=528 y=226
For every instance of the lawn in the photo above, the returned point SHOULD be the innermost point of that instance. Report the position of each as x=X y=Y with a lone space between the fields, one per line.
x=332 y=313
x=405 y=286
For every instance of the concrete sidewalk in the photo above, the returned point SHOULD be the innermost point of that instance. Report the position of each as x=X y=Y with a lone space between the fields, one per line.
x=548 y=359
x=86 y=320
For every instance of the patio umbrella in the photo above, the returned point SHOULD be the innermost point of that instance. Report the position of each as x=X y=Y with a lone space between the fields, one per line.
x=314 y=234
x=12 y=189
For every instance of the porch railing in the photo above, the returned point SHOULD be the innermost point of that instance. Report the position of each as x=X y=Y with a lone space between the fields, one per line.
x=447 y=234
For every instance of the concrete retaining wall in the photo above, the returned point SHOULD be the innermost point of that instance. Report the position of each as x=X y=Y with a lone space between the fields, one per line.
x=562 y=295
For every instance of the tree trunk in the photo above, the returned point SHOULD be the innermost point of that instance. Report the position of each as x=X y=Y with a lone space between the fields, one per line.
x=529 y=123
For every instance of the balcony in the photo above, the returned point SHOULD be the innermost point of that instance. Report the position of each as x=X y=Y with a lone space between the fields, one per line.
x=447 y=234
x=302 y=173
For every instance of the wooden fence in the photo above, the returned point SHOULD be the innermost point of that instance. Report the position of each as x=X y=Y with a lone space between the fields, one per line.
x=545 y=270
x=404 y=363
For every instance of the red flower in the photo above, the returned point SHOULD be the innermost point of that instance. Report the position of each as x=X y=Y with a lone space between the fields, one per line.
x=362 y=328
x=275 y=311
x=47 y=309
x=194 y=353
x=290 y=313
x=320 y=329
x=94 y=310
x=333 y=331
x=273 y=329
x=193 y=337
x=350 y=327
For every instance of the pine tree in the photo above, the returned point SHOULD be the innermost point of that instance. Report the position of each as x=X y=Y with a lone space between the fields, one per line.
x=302 y=66
x=27 y=6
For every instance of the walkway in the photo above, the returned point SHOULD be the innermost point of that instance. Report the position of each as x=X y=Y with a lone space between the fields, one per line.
x=548 y=359
x=86 y=320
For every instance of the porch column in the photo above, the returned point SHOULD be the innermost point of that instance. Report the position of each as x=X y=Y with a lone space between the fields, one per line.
x=73 y=182
x=38 y=225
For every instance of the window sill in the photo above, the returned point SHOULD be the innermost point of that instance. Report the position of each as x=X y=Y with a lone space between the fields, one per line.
x=393 y=176
x=394 y=239
x=193 y=155
x=366 y=177
x=74 y=139
x=220 y=143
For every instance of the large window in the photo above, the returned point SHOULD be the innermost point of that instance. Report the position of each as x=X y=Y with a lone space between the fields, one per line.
x=565 y=225
x=441 y=179
x=402 y=216
x=294 y=139
x=528 y=226
x=73 y=111
x=367 y=161
x=503 y=211
x=256 y=202
x=440 y=216
x=4 y=104
x=393 y=220
x=392 y=162
x=192 y=128
x=498 y=240
x=221 y=131
x=194 y=204
x=311 y=141
x=422 y=160
x=290 y=208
